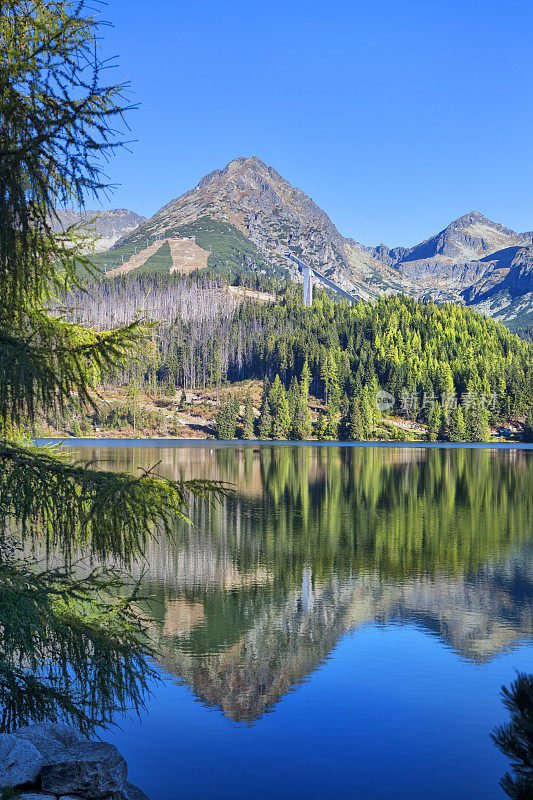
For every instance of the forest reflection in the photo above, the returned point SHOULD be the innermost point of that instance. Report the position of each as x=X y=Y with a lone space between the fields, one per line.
x=317 y=541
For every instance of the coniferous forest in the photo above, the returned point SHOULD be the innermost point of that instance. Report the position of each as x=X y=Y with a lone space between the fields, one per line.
x=444 y=367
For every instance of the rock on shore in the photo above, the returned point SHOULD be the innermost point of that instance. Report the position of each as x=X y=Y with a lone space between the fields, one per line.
x=49 y=761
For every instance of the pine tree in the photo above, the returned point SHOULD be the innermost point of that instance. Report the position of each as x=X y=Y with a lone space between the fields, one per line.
x=305 y=380
x=281 y=422
x=265 y=424
x=515 y=739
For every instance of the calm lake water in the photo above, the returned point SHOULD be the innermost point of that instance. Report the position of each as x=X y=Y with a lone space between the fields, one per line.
x=340 y=627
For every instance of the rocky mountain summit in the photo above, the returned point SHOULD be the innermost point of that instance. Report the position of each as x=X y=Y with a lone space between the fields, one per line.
x=473 y=260
x=274 y=217
x=247 y=217
x=107 y=226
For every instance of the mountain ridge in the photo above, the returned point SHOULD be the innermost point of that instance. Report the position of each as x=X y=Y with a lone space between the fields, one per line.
x=108 y=226
x=246 y=217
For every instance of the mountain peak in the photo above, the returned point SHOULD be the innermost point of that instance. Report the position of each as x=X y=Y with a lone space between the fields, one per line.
x=247 y=161
x=237 y=167
x=470 y=218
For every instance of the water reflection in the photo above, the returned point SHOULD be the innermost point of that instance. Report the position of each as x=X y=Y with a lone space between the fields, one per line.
x=319 y=541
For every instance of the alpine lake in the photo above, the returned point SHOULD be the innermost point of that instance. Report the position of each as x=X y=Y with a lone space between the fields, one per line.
x=339 y=626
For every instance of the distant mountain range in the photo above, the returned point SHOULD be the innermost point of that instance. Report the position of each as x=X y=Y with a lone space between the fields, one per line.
x=246 y=216
x=108 y=226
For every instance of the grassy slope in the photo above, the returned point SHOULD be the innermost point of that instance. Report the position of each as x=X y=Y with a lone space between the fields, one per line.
x=158 y=262
x=232 y=253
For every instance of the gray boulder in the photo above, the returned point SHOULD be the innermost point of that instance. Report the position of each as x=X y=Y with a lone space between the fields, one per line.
x=91 y=770
x=35 y=796
x=129 y=792
x=50 y=738
x=134 y=793
x=20 y=761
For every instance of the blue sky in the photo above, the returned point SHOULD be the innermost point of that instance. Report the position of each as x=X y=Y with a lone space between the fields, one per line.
x=395 y=117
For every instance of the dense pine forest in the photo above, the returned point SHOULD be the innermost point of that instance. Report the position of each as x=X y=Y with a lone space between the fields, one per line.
x=443 y=366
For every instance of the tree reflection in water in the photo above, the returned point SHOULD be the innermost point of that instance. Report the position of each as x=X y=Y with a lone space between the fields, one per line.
x=317 y=541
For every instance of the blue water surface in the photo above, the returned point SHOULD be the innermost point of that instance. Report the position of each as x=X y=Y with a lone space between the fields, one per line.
x=341 y=625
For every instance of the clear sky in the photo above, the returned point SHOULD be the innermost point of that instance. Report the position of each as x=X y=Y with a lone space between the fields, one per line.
x=395 y=116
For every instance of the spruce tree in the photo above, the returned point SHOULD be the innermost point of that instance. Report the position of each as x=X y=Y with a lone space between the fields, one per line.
x=293 y=396
x=443 y=434
x=457 y=431
x=356 y=431
x=332 y=426
x=434 y=422
x=302 y=426
x=478 y=425
x=275 y=392
x=226 y=422
x=281 y=422
x=133 y=394
x=305 y=379
x=265 y=424
x=333 y=388
x=367 y=415
x=322 y=428
x=515 y=738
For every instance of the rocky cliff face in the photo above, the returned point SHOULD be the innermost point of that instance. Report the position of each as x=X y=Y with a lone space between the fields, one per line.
x=108 y=226
x=505 y=290
x=263 y=206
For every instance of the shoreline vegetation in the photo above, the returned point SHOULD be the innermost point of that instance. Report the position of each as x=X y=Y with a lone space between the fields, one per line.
x=194 y=416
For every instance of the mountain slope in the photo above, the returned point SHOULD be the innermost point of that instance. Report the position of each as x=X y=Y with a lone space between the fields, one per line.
x=473 y=260
x=266 y=217
x=107 y=226
x=506 y=290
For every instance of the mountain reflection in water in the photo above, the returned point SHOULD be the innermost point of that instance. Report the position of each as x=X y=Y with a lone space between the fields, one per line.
x=319 y=541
